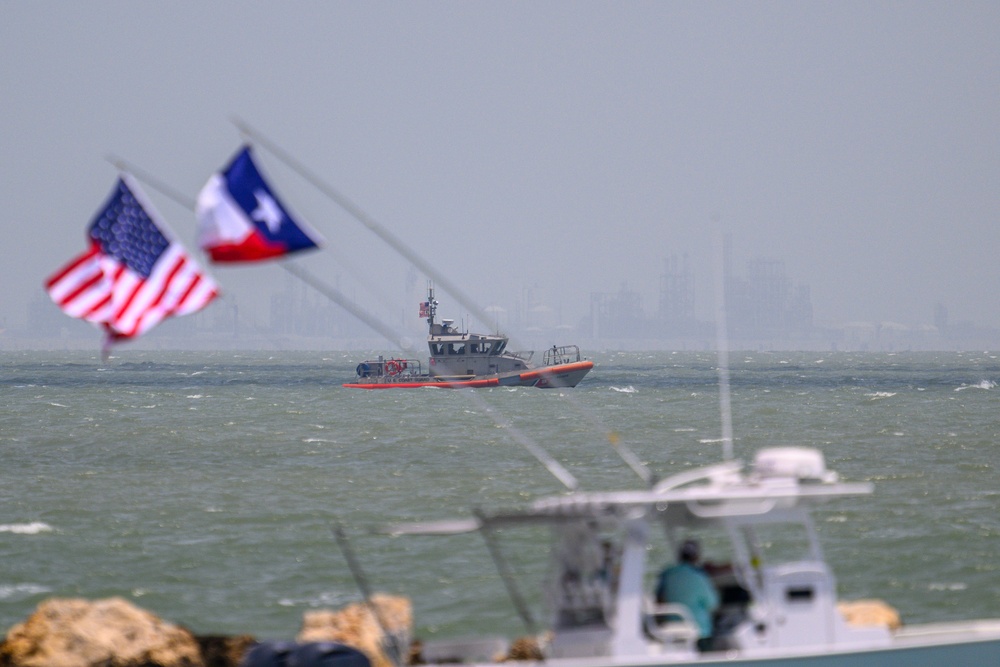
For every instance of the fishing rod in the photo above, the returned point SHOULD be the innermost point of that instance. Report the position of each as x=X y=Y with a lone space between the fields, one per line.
x=556 y=469
x=393 y=644
x=722 y=343
x=505 y=574
x=332 y=293
x=387 y=236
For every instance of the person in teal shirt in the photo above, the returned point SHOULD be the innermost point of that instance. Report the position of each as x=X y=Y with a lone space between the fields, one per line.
x=686 y=583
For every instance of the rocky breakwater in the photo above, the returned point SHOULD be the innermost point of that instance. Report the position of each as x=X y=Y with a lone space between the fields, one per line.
x=384 y=623
x=72 y=632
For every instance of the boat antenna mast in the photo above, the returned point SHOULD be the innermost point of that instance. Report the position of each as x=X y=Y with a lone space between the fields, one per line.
x=428 y=308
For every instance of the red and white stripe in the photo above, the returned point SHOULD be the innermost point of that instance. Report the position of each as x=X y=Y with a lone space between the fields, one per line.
x=97 y=288
x=81 y=288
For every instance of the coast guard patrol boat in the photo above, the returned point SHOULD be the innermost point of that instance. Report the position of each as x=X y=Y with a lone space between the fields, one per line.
x=463 y=359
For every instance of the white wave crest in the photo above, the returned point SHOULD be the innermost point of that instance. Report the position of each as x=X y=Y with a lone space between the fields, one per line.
x=625 y=390
x=947 y=586
x=32 y=528
x=322 y=599
x=21 y=591
x=982 y=384
x=880 y=394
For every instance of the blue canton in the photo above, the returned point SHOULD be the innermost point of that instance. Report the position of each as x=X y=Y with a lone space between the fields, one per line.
x=126 y=232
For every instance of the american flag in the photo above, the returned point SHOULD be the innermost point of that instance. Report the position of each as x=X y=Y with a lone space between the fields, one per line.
x=133 y=275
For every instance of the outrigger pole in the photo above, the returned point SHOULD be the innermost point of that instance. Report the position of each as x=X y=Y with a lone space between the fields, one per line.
x=553 y=466
x=364 y=219
x=354 y=309
x=722 y=343
x=302 y=274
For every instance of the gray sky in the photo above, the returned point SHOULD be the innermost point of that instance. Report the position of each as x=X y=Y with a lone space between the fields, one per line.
x=565 y=146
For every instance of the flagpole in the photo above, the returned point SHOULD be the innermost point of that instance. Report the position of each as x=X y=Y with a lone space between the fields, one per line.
x=124 y=165
x=365 y=219
x=302 y=274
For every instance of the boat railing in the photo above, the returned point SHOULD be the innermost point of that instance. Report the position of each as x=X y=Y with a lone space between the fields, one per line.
x=567 y=354
x=523 y=355
x=388 y=369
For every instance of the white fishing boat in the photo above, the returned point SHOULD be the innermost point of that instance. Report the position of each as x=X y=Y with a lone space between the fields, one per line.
x=780 y=604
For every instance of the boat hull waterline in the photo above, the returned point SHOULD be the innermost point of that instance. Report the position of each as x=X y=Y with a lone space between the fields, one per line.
x=561 y=375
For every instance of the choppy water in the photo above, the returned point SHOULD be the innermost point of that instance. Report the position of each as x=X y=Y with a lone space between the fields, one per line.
x=202 y=486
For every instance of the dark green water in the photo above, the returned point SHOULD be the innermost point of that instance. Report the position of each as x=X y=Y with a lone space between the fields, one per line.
x=202 y=486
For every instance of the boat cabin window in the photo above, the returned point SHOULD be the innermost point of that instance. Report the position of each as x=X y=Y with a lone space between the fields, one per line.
x=478 y=348
x=437 y=349
x=498 y=347
x=456 y=348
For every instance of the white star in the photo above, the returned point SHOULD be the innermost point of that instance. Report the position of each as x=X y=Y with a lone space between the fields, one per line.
x=267 y=211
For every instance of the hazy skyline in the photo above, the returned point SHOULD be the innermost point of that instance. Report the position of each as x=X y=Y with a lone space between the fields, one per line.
x=565 y=146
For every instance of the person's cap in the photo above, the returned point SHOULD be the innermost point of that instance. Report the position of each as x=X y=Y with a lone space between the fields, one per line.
x=690 y=550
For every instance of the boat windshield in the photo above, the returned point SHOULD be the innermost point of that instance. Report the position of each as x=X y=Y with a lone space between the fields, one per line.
x=780 y=543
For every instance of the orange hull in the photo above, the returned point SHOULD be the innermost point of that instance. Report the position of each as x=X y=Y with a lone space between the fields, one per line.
x=560 y=375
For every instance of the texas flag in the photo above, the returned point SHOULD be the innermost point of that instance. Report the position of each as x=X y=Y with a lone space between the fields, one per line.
x=240 y=219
